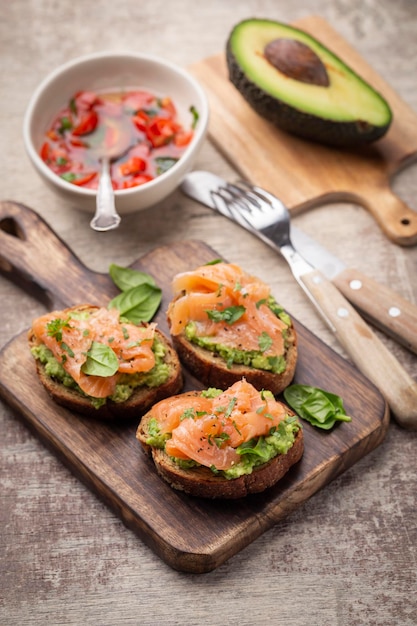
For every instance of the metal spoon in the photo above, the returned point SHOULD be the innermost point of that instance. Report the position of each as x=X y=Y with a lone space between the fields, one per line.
x=106 y=216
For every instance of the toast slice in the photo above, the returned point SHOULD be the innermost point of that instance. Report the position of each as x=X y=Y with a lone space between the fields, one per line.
x=225 y=325
x=214 y=371
x=207 y=482
x=66 y=392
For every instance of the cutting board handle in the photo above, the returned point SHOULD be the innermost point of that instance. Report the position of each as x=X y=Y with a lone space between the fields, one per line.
x=396 y=219
x=33 y=256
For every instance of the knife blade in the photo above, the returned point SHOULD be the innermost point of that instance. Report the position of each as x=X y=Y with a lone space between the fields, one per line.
x=382 y=306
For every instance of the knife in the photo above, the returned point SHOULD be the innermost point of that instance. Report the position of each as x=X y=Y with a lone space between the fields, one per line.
x=379 y=304
x=366 y=350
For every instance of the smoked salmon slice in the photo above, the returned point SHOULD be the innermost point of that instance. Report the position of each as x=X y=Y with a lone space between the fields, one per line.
x=228 y=307
x=209 y=429
x=70 y=334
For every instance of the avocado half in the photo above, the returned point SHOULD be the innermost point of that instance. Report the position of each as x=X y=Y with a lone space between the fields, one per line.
x=295 y=82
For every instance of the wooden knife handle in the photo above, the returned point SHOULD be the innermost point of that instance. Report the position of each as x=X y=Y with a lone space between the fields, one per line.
x=34 y=257
x=382 y=306
x=365 y=349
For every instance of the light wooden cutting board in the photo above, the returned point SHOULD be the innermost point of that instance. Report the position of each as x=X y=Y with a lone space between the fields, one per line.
x=305 y=174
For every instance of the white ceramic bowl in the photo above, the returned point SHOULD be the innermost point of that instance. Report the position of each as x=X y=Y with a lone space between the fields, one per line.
x=103 y=71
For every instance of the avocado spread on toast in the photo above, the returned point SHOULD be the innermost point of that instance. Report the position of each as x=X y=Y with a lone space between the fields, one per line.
x=250 y=358
x=127 y=384
x=255 y=452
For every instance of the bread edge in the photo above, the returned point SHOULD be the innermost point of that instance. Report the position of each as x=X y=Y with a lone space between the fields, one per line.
x=201 y=482
x=138 y=403
x=209 y=367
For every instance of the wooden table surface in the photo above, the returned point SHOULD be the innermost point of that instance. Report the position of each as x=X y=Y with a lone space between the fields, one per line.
x=348 y=556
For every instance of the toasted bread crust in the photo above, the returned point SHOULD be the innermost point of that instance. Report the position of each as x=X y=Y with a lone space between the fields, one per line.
x=201 y=482
x=138 y=403
x=212 y=370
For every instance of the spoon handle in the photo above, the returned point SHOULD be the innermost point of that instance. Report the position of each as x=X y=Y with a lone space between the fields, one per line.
x=106 y=216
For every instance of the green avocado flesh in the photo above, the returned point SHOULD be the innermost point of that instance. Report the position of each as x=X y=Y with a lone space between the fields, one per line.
x=127 y=384
x=235 y=355
x=295 y=82
x=253 y=453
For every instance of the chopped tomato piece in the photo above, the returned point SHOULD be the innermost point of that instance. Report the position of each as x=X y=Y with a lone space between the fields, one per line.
x=52 y=135
x=78 y=143
x=87 y=124
x=45 y=151
x=137 y=180
x=133 y=166
x=183 y=138
x=84 y=179
x=161 y=131
x=90 y=121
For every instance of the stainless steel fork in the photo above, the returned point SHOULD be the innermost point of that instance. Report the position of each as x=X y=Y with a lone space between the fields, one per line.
x=262 y=213
x=266 y=216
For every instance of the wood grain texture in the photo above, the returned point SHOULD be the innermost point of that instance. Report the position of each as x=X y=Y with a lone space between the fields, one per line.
x=345 y=557
x=189 y=534
x=365 y=349
x=304 y=174
x=394 y=314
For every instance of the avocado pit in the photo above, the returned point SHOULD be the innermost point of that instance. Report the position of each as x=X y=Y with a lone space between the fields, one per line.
x=297 y=60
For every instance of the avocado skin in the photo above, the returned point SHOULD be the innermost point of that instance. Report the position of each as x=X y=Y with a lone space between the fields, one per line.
x=296 y=122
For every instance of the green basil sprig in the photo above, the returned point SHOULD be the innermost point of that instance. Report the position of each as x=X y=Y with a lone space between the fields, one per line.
x=101 y=361
x=164 y=164
x=319 y=407
x=125 y=277
x=140 y=297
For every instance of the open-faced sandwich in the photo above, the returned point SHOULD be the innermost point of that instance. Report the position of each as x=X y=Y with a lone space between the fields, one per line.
x=225 y=325
x=222 y=444
x=93 y=362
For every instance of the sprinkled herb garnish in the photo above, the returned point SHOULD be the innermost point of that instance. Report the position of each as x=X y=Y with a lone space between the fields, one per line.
x=54 y=328
x=229 y=315
x=264 y=341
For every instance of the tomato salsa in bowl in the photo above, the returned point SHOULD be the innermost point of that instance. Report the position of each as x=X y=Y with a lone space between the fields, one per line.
x=88 y=103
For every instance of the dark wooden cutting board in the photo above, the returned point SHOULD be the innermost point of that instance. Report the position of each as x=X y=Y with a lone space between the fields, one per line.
x=191 y=535
x=304 y=174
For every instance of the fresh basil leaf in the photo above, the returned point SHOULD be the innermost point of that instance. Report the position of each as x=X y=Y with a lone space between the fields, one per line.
x=66 y=124
x=317 y=406
x=125 y=277
x=101 y=361
x=138 y=304
x=229 y=315
x=69 y=176
x=164 y=164
x=255 y=447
